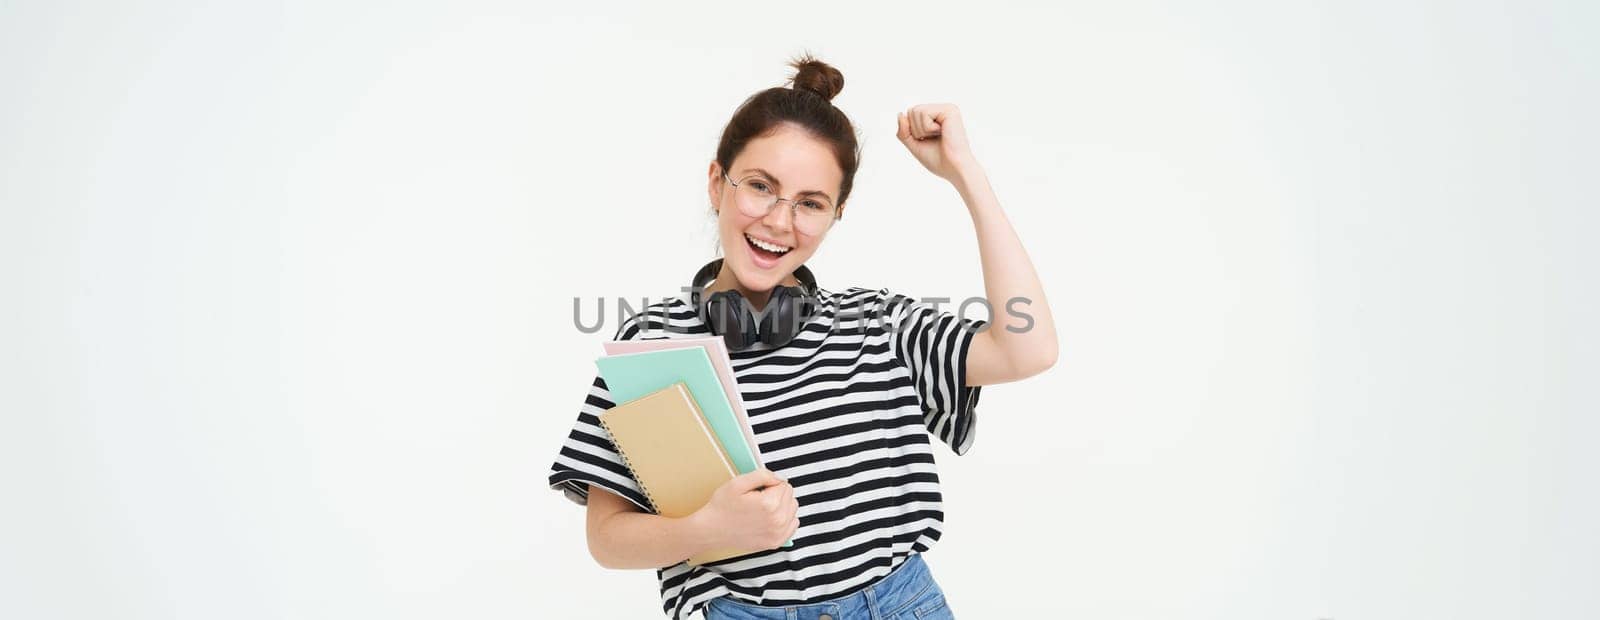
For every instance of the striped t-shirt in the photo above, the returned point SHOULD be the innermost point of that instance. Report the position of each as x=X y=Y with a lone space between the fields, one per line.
x=844 y=413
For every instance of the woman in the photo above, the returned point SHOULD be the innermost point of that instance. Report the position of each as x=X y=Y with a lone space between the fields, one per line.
x=842 y=405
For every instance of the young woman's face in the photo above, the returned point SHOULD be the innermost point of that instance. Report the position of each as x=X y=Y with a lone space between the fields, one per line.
x=793 y=162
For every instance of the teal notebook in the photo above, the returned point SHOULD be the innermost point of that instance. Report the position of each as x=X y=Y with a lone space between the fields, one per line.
x=635 y=375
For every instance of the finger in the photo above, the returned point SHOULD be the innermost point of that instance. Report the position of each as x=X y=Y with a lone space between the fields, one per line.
x=930 y=126
x=911 y=119
x=783 y=496
x=761 y=477
x=902 y=129
x=772 y=490
x=770 y=499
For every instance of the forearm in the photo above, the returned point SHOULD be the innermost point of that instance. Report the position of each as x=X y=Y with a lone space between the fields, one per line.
x=634 y=540
x=1027 y=333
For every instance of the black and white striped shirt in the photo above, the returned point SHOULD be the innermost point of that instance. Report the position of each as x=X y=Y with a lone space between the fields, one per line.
x=844 y=413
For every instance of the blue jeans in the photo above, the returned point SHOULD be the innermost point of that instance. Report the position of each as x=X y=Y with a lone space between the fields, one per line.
x=906 y=593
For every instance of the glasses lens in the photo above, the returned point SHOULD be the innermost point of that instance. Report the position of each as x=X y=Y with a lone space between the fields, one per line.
x=756 y=198
x=812 y=216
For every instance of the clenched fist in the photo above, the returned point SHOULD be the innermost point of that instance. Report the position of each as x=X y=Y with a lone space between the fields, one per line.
x=936 y=137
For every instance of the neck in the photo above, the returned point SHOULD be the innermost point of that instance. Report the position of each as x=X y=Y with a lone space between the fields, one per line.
x=727 y=280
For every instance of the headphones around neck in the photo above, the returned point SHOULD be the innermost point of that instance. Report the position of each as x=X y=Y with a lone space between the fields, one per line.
x=731 y=316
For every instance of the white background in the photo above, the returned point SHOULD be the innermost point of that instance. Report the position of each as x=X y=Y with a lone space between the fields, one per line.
x=287 y=296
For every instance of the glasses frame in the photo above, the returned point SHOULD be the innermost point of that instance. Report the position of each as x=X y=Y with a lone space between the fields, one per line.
x=794 y=205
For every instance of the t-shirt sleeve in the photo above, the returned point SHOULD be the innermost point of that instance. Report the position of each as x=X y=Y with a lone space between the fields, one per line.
x=588 y=456
x=932 y=343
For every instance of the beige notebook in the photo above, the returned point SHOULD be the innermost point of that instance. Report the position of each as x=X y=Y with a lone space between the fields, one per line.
x=678 y=462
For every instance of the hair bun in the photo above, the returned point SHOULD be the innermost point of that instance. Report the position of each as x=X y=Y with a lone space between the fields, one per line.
x=816 y=76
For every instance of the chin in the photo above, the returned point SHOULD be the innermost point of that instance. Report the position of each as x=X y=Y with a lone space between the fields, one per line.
x=758 y=280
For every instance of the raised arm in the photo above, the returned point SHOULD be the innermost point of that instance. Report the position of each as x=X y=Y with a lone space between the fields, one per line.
x=1021 y=341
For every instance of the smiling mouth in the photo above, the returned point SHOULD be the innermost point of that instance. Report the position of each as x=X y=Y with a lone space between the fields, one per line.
x=769 y=250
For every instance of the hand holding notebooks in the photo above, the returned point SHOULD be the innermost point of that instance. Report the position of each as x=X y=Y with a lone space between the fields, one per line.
x=637 y=367
x=665 y=441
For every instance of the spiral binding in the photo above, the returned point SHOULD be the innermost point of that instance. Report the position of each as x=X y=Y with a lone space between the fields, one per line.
x=654 y=507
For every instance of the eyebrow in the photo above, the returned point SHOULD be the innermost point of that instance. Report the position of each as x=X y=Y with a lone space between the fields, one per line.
x=809 y=192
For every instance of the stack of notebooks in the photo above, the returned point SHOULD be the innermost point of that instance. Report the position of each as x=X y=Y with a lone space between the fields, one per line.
x=679 y=423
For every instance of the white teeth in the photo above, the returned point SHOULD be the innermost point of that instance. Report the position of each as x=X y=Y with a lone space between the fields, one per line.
x=778 y=249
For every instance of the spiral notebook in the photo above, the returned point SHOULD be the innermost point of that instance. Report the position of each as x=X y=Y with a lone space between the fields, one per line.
x=667 y=444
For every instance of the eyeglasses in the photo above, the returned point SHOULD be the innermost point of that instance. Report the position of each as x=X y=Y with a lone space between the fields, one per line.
x=754 y=195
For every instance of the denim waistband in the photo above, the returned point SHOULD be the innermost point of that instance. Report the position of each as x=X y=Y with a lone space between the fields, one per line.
x=906 y=583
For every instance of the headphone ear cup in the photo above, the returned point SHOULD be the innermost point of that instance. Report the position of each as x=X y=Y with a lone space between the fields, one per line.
x=728 y=316
x=781 y=322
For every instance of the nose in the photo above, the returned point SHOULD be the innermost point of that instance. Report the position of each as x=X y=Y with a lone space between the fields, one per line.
x=780 y=217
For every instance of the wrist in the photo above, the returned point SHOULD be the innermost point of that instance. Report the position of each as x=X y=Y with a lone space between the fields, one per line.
x=701 y=530
x=966 y=175
x=972 y=183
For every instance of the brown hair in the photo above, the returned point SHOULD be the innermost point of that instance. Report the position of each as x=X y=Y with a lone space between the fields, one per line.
x=807 y=104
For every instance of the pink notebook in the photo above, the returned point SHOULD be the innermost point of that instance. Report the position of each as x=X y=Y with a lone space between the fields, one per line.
x=717 y=350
